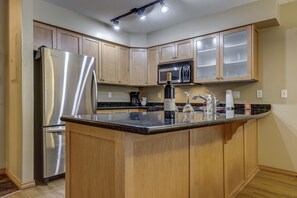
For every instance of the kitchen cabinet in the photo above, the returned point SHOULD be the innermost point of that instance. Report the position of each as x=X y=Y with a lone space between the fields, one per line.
x=92 y=47
x=234 y=164
x=177 y=51
x=251 y=148
x=69 y=41
x=108 y=63
x=227 y=56
x=152 y=64
x=44 y=35
x=123 y=65
x=207 y=68
x=138 y=67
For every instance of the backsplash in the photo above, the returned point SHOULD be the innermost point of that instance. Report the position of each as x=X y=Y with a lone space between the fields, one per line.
x=114 y=93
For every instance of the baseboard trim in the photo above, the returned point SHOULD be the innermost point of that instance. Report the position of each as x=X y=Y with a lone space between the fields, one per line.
x=2 y=170
x=17 y=182
x=277 y=170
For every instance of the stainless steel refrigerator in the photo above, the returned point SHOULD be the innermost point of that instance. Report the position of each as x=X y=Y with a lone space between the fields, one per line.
x=64 y=84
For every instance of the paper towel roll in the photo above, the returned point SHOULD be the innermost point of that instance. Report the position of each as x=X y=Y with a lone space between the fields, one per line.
x=229 y=100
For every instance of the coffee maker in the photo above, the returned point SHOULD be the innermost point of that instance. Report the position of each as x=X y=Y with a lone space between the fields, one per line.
x=134 y=96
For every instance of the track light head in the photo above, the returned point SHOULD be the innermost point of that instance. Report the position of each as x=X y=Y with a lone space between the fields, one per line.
x=116 y=25
x=141 y=14
x=164 y=8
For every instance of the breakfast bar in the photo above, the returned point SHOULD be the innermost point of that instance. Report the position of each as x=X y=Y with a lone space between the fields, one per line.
x=143 y=155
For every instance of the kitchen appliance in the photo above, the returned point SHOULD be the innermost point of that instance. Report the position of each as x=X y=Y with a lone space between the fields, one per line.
x=181 y=72
x=134 y=96
x=64 y=84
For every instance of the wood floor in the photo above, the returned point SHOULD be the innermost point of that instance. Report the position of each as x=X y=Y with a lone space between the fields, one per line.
x=270 y=185
x=264 y=185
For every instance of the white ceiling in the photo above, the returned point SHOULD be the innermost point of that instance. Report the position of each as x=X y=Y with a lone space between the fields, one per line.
x=179 y=11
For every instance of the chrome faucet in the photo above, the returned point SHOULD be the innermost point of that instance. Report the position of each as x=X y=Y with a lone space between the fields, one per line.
x=210 y=101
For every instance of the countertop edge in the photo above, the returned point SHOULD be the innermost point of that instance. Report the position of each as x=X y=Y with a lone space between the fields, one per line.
x=163 y=129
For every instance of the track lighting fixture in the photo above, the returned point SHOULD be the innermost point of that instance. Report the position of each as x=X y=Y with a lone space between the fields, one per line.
x=140 y=12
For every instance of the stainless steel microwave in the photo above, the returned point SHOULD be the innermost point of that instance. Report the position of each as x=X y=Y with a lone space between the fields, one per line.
x=181 y=72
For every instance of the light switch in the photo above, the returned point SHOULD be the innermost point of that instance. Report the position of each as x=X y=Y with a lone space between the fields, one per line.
x=109 y=95
x=236 y=94
x=259 y=93
x=284 y=93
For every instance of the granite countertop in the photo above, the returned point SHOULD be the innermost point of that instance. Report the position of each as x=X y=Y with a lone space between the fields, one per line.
x=153 y=122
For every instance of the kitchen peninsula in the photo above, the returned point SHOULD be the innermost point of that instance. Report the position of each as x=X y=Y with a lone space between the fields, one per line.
x=141 y=155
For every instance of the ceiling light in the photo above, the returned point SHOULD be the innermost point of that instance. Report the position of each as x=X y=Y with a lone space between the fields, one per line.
x=164 y=8
x=116 y=25
x=141 y=14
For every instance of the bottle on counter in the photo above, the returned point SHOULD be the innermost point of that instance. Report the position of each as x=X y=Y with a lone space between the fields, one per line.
x=169 y=99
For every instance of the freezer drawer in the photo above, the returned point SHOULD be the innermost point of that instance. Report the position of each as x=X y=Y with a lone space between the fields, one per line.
x=54 y=151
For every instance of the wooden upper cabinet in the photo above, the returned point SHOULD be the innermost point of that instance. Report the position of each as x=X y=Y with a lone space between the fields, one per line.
x=238 y=54
x=152 y=64
x=108 y=62
x=123 y=65
x=69 y=41
x=177 y=51
x=92 y=47
x=138 y=67
x=167 y=53
x=184 y=50
x=44 y=35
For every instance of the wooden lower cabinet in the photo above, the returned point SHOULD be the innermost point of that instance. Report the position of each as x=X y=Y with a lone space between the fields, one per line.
x=194 y=163
x=206 y=162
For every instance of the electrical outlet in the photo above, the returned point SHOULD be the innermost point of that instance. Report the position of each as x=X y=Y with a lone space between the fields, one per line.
x=109 y=95
x=259 y=93
x=236 y=94
x=159 y=94
x=284 y=93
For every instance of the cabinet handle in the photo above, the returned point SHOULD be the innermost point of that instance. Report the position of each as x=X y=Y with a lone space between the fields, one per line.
x=217 y=78
x=222 y=78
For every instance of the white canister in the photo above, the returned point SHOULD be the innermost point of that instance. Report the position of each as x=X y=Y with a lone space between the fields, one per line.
x=229 y=100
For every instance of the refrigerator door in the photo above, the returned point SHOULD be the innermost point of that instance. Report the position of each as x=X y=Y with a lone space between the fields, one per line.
x=69 y=85
x=54 y=151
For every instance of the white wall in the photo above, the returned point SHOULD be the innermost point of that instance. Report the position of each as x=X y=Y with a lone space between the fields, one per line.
x=3 y=53
x=61 y=17
x=247 y=14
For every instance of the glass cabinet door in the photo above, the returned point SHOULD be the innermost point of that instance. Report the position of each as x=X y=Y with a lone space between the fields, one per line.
x=235 y=54
x=207 y=58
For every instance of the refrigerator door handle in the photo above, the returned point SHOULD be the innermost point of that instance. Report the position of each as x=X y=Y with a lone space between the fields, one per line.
x=94 y=92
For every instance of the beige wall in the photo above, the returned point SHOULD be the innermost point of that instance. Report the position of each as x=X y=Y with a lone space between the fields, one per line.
x=278 y=70
x=3 y=53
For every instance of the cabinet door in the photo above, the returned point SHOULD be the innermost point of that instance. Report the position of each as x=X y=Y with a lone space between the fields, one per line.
x=207 y=67
x=234 y=161
x=184 y=50
x=236 y=54
x=206 y=162
x=251 y=148
x=123 y=65
x=44 y=35
x=69 y=41
x=91 y=47
x=138 y=67
x=167 y=53
x=108 y=62
x=152 y=64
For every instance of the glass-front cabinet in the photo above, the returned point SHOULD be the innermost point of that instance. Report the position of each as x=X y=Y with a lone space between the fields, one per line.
x=207 y=58
x=227 y=56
